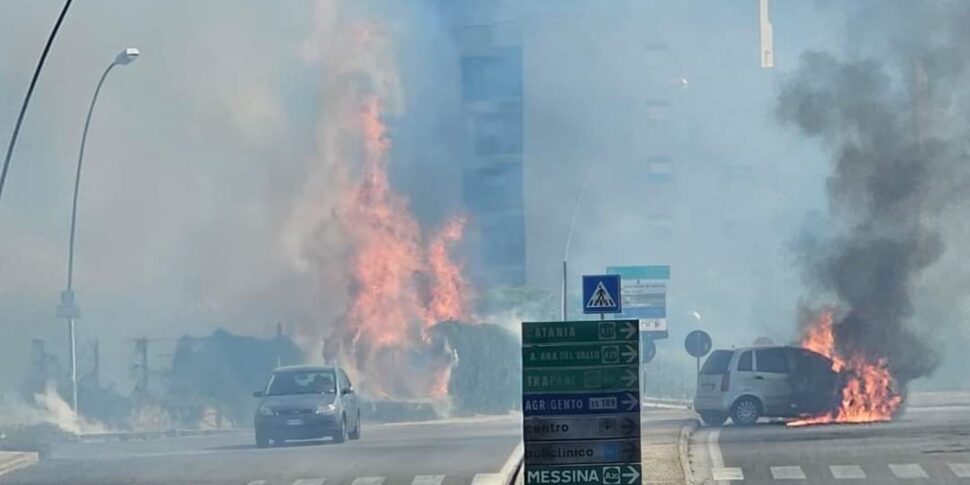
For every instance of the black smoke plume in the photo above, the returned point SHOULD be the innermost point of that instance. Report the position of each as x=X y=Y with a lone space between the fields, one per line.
x=897 y=162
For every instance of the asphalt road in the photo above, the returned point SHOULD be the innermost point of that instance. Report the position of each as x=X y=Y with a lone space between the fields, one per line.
x=926 y=445
x=449 y=452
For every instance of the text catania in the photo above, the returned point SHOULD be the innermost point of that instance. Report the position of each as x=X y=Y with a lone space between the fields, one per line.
x=552 y=332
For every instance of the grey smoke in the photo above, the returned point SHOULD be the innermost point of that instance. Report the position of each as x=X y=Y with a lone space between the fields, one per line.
x=897 y=164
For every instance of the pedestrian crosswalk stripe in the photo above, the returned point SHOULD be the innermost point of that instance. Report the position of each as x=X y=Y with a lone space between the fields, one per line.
x=727 y=473
x=368 y=481
x=961 y=470
x=847 y=472
x=488 y=479
x=907 y=470
x=428 y=480
x=309 y=481
x=787 y=473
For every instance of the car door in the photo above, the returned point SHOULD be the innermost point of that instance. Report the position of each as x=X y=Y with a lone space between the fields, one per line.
x=772 y=368
x=743 y=381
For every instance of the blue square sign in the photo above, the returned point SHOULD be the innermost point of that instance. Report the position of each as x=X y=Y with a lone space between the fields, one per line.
x=601 y=293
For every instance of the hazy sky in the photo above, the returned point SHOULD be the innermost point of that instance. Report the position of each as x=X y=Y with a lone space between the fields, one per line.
x=199 y=151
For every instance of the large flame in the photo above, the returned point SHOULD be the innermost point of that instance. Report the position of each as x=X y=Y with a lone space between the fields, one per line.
x=869 y=393
x=399 y=289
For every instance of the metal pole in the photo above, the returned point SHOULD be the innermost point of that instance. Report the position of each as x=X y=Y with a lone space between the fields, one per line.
x=569 y=236
x=30 y=92
x=563 y=297
x=70 y=247
x=73 y=338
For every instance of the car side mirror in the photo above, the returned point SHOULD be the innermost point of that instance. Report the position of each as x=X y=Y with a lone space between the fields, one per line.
x=258 y=394
x=347 y=390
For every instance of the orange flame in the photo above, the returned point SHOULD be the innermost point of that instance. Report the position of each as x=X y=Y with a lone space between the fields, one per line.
x=388 y=315
x=869 y=394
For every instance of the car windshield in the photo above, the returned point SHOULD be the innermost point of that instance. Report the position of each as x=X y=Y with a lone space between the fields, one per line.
x=717 y=362
x=301 y=382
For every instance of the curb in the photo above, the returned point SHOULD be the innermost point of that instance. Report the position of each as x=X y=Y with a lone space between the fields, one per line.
x=664 y=403
x=15 y=460
x=683 y=446
x=147 y=435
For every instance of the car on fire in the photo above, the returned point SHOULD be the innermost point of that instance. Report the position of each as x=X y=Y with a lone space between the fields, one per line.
x=750 y=383
x=307 y=402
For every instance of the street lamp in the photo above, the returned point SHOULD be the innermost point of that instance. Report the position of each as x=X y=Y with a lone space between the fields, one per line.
x=68 y=308
x=569 y=235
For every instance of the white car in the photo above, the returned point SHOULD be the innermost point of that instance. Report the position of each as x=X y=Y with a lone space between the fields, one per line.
x=747 y=384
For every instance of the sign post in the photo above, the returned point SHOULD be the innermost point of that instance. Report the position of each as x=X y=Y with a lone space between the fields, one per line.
x=581 y=399
x=698 y=344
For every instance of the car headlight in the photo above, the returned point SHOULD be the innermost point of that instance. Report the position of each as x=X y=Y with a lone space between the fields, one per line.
x=326 y=408
x=265 y=411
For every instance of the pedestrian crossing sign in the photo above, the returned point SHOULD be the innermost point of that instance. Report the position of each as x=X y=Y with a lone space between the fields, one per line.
x=601 y=294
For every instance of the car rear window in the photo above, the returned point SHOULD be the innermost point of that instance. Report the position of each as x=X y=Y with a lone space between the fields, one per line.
x=745 y=362
x=772 y=360
x=718 y=362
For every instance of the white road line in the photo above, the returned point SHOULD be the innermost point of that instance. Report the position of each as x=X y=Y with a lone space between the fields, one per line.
x=787 y=473
x=368 y=481
x=428 y=480
x=908 y=470
x=257 y=482
x=489 y=479
x=847 y=472
x=961 y=470
x=718 y=471
x=309 y=481
x=512 y=463
x=726 y=474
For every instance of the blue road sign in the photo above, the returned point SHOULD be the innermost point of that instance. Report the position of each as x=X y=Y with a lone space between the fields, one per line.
x=574 y=404
x=601 y=294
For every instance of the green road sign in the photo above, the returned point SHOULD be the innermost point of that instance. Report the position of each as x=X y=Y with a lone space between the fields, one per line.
x=582 y=331
x=624 y=378
x=626 y=474
x=579 y=355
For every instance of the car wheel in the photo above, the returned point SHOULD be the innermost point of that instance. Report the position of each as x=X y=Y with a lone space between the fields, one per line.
x=746 y=411
x=355 y=434
x=713 y=418
x=341 y=436
x=261 y=440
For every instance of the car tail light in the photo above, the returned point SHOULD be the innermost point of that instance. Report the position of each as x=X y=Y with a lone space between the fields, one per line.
x=725 y=381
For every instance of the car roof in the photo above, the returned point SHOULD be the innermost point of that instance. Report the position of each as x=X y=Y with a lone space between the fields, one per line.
x=763 y=347
x=304 y=368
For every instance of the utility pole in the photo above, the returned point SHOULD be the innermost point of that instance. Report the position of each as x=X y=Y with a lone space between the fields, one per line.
x=96 y=371
x=141 y=354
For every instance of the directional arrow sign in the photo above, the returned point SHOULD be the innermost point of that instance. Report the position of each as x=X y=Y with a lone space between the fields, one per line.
x=575 y=404
x=572 y=380
x=581 y=427
x=582 y=452
x=584 y=475
x=582 y=331
x=578 y=355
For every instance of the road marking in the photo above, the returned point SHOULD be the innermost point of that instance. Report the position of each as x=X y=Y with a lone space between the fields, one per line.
x=961 y=470
x=728 y=473
x=428 y=480
x=15 y=460
x=368 y=481
x=489 y=479
x=787 y=473
x=848 y=472
x=309 y=481
x=257 y=482
x=908 y=470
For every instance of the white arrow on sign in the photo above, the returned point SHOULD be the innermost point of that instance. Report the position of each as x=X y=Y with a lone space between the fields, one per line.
x=631 y=474
x=630 y=402
x=629 y=377
x=629 y=353
x=629 y=330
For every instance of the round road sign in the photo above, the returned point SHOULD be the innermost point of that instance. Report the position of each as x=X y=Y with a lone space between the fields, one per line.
x=648 y=349
x=698 y=343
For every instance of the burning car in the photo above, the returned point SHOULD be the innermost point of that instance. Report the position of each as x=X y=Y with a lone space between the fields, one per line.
x=778 y=381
